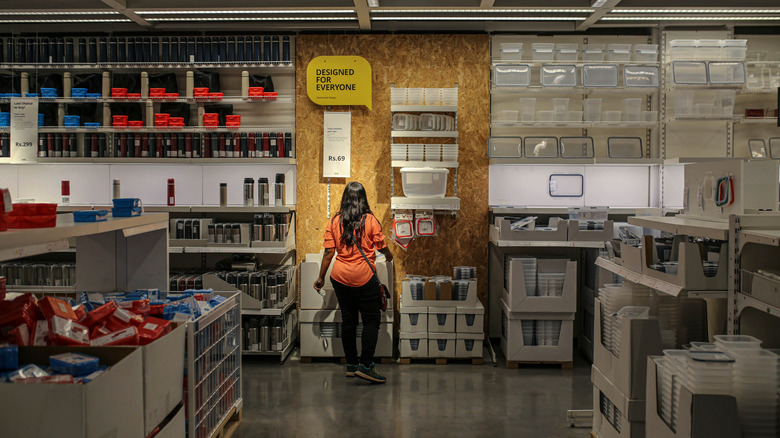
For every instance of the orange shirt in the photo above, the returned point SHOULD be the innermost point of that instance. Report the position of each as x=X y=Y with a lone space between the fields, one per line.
x=350 y=267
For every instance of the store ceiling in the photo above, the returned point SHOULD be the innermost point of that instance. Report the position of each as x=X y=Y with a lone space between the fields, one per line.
x=16 y=16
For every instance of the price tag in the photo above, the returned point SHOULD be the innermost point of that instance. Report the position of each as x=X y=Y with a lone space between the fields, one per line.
x=337 y=141
x=24 y=129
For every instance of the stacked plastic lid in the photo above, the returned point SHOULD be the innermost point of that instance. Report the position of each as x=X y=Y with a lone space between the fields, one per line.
x=330 y=330
x=417 y=286
x=529 y=272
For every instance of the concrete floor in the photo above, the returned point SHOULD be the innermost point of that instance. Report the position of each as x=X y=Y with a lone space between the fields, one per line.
x=419 y=400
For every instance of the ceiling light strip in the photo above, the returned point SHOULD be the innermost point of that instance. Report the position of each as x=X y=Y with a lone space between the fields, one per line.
x=74 y=20
x=692 y=18
x=696 y=11
x=480 y=11
x=90 y=12
x=462 y=18
x=252 y=19
x=250 y=11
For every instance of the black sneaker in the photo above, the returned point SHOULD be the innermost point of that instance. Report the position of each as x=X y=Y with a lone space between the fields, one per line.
x=351 y=369
x=370 y=374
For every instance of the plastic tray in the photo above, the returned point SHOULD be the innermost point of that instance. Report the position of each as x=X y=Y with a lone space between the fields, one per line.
x=424 y=182
x=540 y=147
x=689 y=72
x=506 y=75
x=126 y=212
x=599 y=75
x=640 y=76
x=624 y=147
x=726 y=72
x=577 y=147
x=90 y=215
x=559 y=75
x=126 y=202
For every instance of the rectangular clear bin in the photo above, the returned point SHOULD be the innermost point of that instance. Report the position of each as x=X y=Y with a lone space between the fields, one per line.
x=540 y=147
x=709 y=49
x=689 y=72
x=449 y=152
x=432 y=96
x=592 y=110
x=505 y=147
x=632 y=107
x=398 y=152
x=507 y=116
x=428 y=122
x=683 y=102
x=432 y=152
x=576 y=147
x=774 y=147
x=567 y=52
x=416 y=152
x=559 y=75
x=542 y=51
x=682 y=49
x=757 y=148
x=599 y=75
x=640 y=76
x=624 y=147
x=424 y=182
x=510 y=51
x=645 y=52
x=527 y=108
x=593 y=52
x=619 y=52
x=512 y=75
x=734 y=49
x=727 y=72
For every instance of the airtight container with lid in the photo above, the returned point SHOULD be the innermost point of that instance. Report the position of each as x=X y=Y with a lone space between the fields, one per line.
x=424 y=182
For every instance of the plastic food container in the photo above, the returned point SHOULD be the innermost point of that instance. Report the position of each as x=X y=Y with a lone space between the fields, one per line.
x=560 y=107
x=645 y=52
x=682 y=49
x=527 y=107
x=734 y=49
x=566 y=52
x=640 y=76
x=704 y=109
x=545 y=116
x=504 y=147
x=619 y=52
x=689 y=72
x=33 y=215
x=649 y=116
x=576 y=147
x=612 y=116
x=424 y=182
x=415 y=96
x=757 y=148
x=542 y=51
x=709 y=49
x=510 y=51
x=432 y=152
x=737 y=342
x=432 y=96
x=449 y=152
x=594 y=75
x=683 y=102
x=398 y=96
x=416 y=152
x=574 y=116
x=726 y=72
x=508 y=116
x=592 y=110
x=398 y=152
x=631 y=109
x=505 y=75
x=449 y=96
x=774 y=147
x=624 y=147
x=593 y=52
x=559 y=76
x=540 y=147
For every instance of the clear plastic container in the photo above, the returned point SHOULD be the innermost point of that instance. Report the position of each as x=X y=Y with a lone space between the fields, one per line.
x=598 y=75
x=649 y=116
x=432 y=152
x=542 y=51
x=612 y=116
x=518 y=75
x=510 y=51
x=504 y=147
x=527 y=108
x=566 y=52
x=734 y=49
x=683 y=102
x=432 y=96
x=689 y=72
x=624 y=147
x=429 y=122
x=737 y=342
x=415 y=96
x=405 y=122
x=398 y=152
x=632 y=107
x=449 y=96
x=640 y=76
x=559 y=76
x=724 y=102
x=398 y=96
x=757 y=148
x=574 y=116
x=449 y=152
x=682 y=49
x=540 y=147
x=424 y=182
x=709 y=49
x=577 y=147
x=593 y=52
x=592 y=110
x=560 y=107
x=509 y=116
x=645 y=52
x=726 y=72
x=545 y=116
x=416 y=152
x=704 y=109
x=619 y=52
x=774 y=147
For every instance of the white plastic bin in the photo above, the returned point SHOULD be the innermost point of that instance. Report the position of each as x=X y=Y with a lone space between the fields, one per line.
x=649 y=116
x=727 y=72
x=599 y=75
x=416 y=152
x=576 y=147
x=593 y=52
x=559 y=75
x=542 y=51
x=574 y=116
x=709 y=49
x=449 y=96
x=612 y=116
x=506 y=75
x=689 y=72
x=592 y=110
x=566 y=52
x=415 y=96
x=619 y=52
x=510 y=51
x=398 y=96
x=640 y=76
x=540 y=147
x=560 y=107
x=432 y=96
x=645 y=52
x=504 y=147
x=449 y=152
x=424 y=182
x=683 y=102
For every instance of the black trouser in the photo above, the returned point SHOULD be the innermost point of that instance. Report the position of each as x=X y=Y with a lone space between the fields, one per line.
x=364 y=301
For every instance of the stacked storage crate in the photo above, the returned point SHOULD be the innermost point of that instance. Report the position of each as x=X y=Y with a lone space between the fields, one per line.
x=441 y=317
x=320 y=317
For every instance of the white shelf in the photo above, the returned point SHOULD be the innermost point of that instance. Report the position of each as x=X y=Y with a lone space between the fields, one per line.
x=605 y=125
x=83 y=160
x=691 y=160
x=641 y=91
x=759 y=120
x=579 y=161
x=744 y=301
x=653 y=283
x=682 y=225
x=578 y=63
x=508 y=210
x=282 y=354
x=424 y=134
x=416 y=203
x=706 y=86
x=545 y=244
x=424 y=108
x=164 y=129
x=269 y=312
x=228 y=250
x=762 y=237
x=268 y=67
x=17 y=243
x=41 y=289
x=435 y=164
x=241 y=209
x=695 y=118
x=284 y=99
x=764 y=90
x=629 y=161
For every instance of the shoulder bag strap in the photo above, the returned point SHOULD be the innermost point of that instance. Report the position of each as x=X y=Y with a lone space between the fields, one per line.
x=365 y=258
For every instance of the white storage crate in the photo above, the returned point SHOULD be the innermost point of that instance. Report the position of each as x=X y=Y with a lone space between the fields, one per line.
x=689 y=72
x=470 y=320
x=441 y=319
x=511 y=51
x=441 y=345
x=413 y=344
x=469 y=345
x=558 y=295
x=414 y=319
x=321 y=334
x=614 y=414
x=726 y=72
x=523 y=341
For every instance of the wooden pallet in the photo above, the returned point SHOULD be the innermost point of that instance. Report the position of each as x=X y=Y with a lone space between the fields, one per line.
x=343 y=361
x=440 y=361
x=229 y=426
x=513 y=365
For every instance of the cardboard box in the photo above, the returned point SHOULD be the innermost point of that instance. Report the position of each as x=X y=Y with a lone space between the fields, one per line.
x=310 y=270
x=469 y=345
x=406 y=348
x=502 y=231
x=577 y=235
x=470 y=319
x=626 y=414
x=690 y=272
x=441 y=319
x=111 y=405
x=414 y=319
x=430 y=300
x=441 y=345
x=175 y=428
x=314 y=345
x=699 y=415
x=513 y=344
x=517 y=297
x=639 y=338
x=631 y=257
x=163 y=369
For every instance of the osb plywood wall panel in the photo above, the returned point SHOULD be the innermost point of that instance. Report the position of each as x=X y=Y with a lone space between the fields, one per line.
x=406 y=61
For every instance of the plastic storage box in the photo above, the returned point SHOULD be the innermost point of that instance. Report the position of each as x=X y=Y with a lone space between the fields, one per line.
x=689 y=72
x=624 y=147
x=645 y=52
x=540 y=147
x=619 y=52
x=726 y=72
x=424 y=182
x=511 y=51
x=576 y=147
x=542 y=51
x=682 y=49
x=734 y=49
x=559 y=75
x=593 y=52
x=506 y=75
x=566 y=52
x=508 y=147
x=640 y=76
x=594 y=75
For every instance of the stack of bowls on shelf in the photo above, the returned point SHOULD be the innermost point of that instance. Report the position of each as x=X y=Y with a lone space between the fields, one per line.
x=550 y=284
x=398 y=96
x=529 y=273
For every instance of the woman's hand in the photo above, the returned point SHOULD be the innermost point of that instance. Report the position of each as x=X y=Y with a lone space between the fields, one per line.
x=319 y=284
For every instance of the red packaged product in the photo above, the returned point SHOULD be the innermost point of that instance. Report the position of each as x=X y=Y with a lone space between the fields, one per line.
x=200 y=91
x=216 y=96
x=99 y=330
x=122 y=319
x=80 y=312
x=271 y=96
x=100 y=314
x=199 y=297
x=255 y=91
x=117 y=93
x=40 y=333
x=128 y=336
x=152 y=329
x=233 y=120
x=156 y=92
x=161 y=119
x=64 y=331
x=20 y=335
x=2 y=286
x=175 y=121
x=754 y=113
x=51 y=306
x=33 y=209
x=171 y=95
x=139 y=307
x=135 y=124
x=133 y=96
x=119 y=120
x=157 y=309
x=33 y=215
x=57 y=378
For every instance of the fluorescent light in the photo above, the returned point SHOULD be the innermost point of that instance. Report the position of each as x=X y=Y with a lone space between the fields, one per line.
x=251 y=11
x=695 y=11
x=106 y=12
x=598 y=3
x=481 y=10
x=253 y=19
x=695 y=18
x=75 y=20
x=373 y=3
x=462 y=18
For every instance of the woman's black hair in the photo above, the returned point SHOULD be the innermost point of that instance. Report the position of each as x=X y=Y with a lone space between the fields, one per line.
x=354 y=207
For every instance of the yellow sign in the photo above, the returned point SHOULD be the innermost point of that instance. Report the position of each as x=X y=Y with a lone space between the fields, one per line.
x=339 y=80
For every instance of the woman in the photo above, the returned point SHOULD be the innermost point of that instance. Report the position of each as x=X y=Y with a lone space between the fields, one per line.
x=357 y=289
